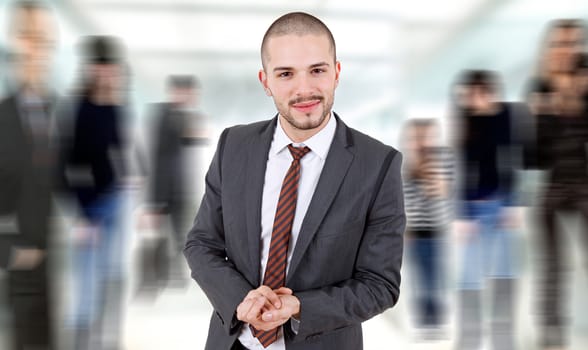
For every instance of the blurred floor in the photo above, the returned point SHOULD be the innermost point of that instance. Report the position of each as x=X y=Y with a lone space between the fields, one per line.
x=178 y=318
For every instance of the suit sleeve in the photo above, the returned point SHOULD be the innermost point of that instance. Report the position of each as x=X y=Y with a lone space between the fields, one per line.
x=161 y=167
x=11 y=177
x=375 y=283
x=205 y=251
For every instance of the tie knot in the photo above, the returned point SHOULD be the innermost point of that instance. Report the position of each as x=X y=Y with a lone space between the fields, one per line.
x=298 y=152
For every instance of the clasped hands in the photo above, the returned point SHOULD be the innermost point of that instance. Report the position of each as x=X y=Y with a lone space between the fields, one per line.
x=266 y=309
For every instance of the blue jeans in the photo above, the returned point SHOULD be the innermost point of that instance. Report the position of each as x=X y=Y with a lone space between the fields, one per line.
x=428 y=267
x=489 y=251
x=98 y=262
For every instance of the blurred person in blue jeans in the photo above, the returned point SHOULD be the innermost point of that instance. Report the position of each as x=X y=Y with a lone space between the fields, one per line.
x=93 y=146
x=427 y=180
x=486 y=214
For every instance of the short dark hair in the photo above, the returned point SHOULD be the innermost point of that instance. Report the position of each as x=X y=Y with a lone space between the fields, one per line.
x=183 y=82
x=567 y=23
x=29 y=5
x=101 y=49
x=486 y=79
x=298 y=23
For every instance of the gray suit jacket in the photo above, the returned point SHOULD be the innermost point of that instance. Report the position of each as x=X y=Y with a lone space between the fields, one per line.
x=26 y=182
x=346 y=263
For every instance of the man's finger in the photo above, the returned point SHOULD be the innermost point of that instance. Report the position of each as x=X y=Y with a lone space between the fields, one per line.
x=252 y=295
x=279 y=316
x=243 y=309
x=283 y=290
x=255 y=309
x=273 y=298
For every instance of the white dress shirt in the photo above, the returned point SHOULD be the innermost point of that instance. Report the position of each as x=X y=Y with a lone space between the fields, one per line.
x=278 y=162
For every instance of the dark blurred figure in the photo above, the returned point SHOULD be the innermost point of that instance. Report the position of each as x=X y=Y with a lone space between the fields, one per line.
x=564 y=40
x=487 y=216
x=94 y=167
x=427 y=174
x=27 y=160
x=177 y=128
x=558 y=98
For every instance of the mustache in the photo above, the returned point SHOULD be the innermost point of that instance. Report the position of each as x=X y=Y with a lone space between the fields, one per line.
x=305 y=99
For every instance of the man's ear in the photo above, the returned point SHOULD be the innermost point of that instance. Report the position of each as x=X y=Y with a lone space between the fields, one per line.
x=337 y=72
x=263 y=80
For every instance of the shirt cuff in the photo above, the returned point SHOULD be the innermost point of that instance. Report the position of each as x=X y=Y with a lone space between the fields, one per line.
x=294 y=325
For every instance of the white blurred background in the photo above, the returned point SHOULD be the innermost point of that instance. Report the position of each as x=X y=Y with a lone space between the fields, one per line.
x=398 y=59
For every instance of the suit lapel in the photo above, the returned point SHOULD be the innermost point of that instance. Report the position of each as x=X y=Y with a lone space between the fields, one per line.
x=257 y=163
x=21 y=121
x=336 y=165
x=17 y=119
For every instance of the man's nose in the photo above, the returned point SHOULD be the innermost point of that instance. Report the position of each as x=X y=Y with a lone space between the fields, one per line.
x=304 y=85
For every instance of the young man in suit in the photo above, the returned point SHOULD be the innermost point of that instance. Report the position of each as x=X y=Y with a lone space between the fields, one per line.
x=298 y=239
x=27 y=161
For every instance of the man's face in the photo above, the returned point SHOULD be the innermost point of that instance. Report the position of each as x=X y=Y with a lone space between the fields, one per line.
x=564 y=44
x=184 y=97
x=33 y=40
x=301 y=76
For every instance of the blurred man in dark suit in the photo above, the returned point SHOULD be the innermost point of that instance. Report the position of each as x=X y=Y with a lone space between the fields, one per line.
x=177 y=131
x=27 y=159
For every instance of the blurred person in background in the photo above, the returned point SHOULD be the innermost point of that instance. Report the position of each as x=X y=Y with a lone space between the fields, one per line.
x=564 y=40
x=178 y=129
x=27 y=165
x=486 y=214
x=427 y=178
x=557 y=95
x=93 y=149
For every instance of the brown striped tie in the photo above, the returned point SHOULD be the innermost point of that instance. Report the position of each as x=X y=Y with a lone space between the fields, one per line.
x=275 y=271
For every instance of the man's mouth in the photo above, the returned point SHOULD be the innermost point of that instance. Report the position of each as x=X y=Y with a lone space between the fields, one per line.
x=307 y=105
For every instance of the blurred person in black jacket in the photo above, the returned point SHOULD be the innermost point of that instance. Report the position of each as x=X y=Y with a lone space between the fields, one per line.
x=93 y=166
x=27 y=163
x=557 y=95
x=178 y=130
x=487 y=213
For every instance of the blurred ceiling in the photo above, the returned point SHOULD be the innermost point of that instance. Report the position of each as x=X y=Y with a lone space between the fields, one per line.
x=398 y=58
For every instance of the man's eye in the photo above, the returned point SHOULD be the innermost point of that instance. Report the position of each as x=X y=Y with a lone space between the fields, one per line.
x=318 y=71
x=284 y=74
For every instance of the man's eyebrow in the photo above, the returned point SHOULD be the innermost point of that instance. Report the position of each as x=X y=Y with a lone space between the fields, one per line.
x=314 y=65
x=282 y=68
x=320 y=64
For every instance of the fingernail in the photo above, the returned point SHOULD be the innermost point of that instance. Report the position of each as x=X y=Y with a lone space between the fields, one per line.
x=269 y=316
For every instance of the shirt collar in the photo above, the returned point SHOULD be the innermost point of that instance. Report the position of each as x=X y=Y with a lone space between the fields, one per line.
x=28 y=99
x=318 y=143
